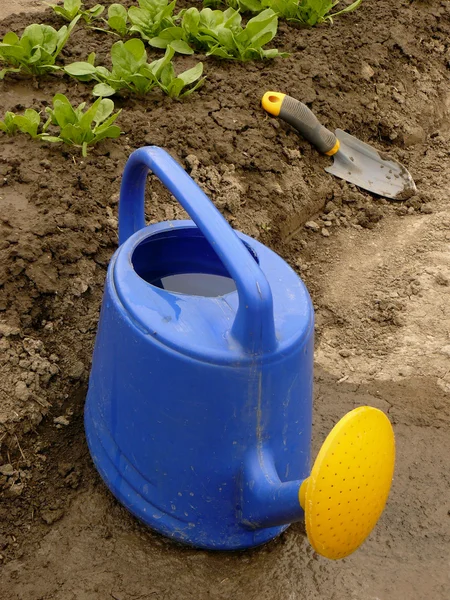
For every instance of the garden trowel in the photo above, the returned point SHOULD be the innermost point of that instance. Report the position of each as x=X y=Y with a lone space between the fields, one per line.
x=354 y=160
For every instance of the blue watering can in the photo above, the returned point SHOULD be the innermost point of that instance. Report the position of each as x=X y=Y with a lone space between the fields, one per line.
x=199 y=409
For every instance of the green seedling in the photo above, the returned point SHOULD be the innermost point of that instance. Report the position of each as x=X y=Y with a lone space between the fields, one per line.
x=73 y=8
x=308 y=12
x=175 y=37
x=303 y=12
x=151 y=17
x=27 y=123
x=8 y=125
x=241 y=5
x=176 y=86
x=76 y=126
x=82 y=128
x=35 y=53
x=118 y=19
x=130 y=70
x=220 y=33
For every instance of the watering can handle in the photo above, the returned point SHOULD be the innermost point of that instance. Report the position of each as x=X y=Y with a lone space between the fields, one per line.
x=253 y=326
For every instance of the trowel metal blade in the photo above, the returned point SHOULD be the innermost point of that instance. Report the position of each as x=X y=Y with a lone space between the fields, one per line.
x=369 y=169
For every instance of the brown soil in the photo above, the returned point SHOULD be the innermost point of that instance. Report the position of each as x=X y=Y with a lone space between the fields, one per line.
x=379 y=281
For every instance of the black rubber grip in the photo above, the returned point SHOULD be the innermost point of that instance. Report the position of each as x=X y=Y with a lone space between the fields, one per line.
x=306 y=123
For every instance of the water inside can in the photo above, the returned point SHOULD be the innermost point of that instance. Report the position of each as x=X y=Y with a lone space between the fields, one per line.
x=197 y=284
x=182 y=261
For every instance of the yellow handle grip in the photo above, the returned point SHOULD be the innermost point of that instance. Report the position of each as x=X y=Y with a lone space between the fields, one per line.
x=272 y=101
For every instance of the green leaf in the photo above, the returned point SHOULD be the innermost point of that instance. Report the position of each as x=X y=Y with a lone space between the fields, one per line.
x=232 y=19
x=96 y=11
x=152 y=17
x=173 y=90
x=173 y=36
x=192 y=89
x=33 y=36
x=72 y=6
x=181 y=47
x=34 y=52
x=63 y=112
x=49 y=138
x=261 y=29
x=219 y=52
x=191 y=75
x=11 y=54
x=221 y=34
x=78 y=69
x=347 y=9
x=106 y=123
x=160 y=42
x=33 y=117
x=105 y=108
x=191 y=21
x=273 y=53
x=8 y=125
x=118 y=18
x=72 y=134
x=110 y=132
x=69 y=10
x=28 y=122
x=167 y=75
x=251 y=5
x=37 y=49
x=11 y=38
x=128 y=57
x=157 y=66
x=63 y=36
x=226 y=39
x=103 y=73
x=104 y=90
x=85 y=121
x=137 y=49
x=169 y=82
x=4 y=71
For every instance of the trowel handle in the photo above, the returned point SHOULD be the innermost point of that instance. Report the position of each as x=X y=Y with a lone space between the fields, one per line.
x=302 y=119
x=253 y=326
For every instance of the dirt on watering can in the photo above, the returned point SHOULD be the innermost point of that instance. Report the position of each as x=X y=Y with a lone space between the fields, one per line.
x=378 y=274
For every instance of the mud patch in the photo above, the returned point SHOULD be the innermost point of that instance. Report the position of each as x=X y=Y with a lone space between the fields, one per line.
x=103 y=550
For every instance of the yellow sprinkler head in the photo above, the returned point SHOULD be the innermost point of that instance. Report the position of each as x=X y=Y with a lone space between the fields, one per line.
x=349 y=484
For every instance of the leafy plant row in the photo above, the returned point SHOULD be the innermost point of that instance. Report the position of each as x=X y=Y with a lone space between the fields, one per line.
x=215 y=32
x=74 y=126
x=303 y=12
x=220 y=33
x=130 y=70
x=36 y=51
x=75 y=8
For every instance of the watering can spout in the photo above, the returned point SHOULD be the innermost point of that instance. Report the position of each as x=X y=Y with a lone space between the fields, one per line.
x=344 y=495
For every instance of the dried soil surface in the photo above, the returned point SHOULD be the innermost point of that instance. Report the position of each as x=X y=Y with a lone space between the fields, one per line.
x=378 y=272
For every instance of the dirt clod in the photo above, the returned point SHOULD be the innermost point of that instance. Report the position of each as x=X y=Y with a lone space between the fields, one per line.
x=52 y=516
